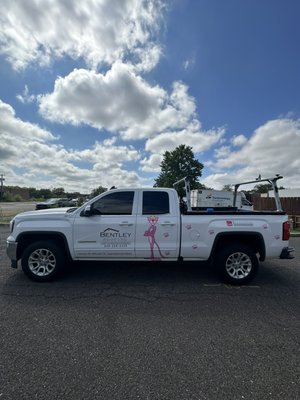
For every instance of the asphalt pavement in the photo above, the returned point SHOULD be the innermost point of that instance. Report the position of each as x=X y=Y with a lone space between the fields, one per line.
x=150 y=331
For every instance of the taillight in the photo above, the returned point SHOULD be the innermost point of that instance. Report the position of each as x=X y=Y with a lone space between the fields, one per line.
x=286 y=231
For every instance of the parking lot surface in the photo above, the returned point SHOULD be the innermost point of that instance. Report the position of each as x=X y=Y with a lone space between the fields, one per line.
x=150 y=331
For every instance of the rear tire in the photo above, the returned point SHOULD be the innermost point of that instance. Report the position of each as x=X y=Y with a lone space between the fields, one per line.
x=237 y=264
x=43 y=261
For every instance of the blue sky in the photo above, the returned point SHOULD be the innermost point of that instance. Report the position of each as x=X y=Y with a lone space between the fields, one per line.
x=93 y=93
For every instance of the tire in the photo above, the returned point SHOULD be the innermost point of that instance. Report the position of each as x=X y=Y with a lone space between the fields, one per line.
x=43 y=261
x=237 y=264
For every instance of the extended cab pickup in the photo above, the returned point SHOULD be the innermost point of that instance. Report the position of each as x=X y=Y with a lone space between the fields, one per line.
x=146 y=224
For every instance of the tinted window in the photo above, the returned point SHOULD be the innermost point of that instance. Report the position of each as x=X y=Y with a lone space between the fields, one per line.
x=155 y=203
x=119 y=203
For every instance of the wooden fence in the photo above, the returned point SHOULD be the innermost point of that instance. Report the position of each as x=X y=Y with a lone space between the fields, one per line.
x=291 y=205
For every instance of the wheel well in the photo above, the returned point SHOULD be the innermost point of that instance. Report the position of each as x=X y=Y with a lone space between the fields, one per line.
x=255 y=241
x=24 y=240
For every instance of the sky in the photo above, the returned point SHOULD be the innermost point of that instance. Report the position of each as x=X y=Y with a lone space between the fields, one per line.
x=92 y=93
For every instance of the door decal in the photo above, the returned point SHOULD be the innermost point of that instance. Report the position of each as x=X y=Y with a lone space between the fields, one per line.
x=150 y=233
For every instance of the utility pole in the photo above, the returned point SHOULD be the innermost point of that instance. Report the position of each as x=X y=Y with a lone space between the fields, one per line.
x=2 y=179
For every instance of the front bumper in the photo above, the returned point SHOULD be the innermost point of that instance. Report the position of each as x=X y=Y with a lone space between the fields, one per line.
x=11 y=251
x=286 y=253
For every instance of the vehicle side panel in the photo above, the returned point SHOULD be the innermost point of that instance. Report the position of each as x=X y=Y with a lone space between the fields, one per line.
x=199 y=232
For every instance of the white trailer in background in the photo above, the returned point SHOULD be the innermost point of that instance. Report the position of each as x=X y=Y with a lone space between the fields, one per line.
x=219 y=198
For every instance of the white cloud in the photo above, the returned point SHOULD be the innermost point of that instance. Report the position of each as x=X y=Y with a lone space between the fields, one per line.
x=113 y=101
x=174 y=111
x=192 y=136
x=120 y=101
x=222 y=151
x=151 y=164
x=44 y=163
x=272 y=149
x=238 y=140
x=218 y=180
x=123 y=103
x=107 y=155
x=190 y=63
x=99 y=31
x=16 y=128
x=147 y=57
x=270 y=145
x=25 y=97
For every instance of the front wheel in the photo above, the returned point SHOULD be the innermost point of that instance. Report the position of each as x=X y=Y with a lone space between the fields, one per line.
x=42 y=261
x=237 y=264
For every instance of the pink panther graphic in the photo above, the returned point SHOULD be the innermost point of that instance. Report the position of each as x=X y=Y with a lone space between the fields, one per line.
x=150 y=233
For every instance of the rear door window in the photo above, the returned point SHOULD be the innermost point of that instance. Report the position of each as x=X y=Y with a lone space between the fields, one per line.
x=155 y=202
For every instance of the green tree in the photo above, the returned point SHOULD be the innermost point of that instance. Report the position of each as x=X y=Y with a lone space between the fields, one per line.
x=178 y=164
x=58 y=192
x=228 y=188
x=45 y=193
x=17 y=197
x=8 y=196
x=262 y=188
x=33 y=193
x=98 y=190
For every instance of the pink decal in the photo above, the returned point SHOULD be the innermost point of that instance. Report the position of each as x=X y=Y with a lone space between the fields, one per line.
x=211 y=231
x=194 y=247
x=189 y=226
x=150 y=233
x=265 y=226
x=277 y=237
x=229 y=223
x=166 y=234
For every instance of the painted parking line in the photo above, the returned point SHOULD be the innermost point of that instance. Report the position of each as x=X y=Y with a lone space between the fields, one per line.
x=231 y=286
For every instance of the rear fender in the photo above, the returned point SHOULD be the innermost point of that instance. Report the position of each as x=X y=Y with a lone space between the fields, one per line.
x=253 y=239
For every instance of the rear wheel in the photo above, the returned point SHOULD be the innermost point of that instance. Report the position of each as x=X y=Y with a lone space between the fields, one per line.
x=237 y=264
x=42 y=261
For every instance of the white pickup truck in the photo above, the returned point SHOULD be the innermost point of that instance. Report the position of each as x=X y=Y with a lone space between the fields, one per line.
x=147 y=224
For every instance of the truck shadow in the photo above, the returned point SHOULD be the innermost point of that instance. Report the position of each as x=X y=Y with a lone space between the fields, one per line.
x=147 y=273
x=146 y=281
x=89 y=284
x=93 y=283
x=191 y=275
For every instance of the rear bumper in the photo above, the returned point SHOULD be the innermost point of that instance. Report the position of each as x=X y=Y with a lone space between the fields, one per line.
x=286 y=253
x=11 y=251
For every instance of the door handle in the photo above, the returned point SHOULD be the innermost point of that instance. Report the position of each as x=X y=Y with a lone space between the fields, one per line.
x=125 y=224
x=167 y=223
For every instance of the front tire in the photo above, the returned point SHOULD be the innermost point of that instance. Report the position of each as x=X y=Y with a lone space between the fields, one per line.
x=42 y=261
x=237 y=264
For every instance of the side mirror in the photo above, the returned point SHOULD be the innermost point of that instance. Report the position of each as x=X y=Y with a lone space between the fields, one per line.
x=87 y=211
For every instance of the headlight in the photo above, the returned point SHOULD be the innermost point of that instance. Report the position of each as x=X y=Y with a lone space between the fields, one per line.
x=11 y=225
